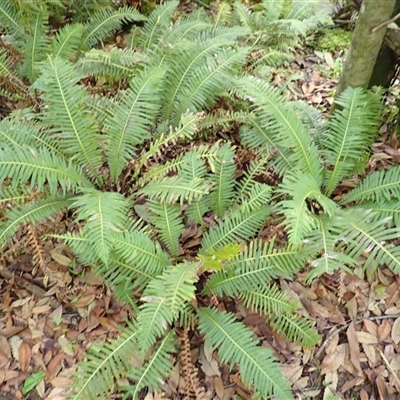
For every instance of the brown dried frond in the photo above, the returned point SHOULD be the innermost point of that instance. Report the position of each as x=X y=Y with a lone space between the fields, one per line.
x=214 y=301
x=193 y=388
x=342 y=287
x=38 y=254
x=9 y=255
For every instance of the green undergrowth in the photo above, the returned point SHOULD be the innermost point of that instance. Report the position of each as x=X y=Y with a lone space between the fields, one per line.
x=72 y=151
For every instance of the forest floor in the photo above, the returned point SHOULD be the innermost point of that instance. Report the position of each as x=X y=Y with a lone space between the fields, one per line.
x=50 y=312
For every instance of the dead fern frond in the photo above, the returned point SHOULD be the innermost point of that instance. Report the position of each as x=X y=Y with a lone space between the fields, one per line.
x=193 y=388
x=38 y=254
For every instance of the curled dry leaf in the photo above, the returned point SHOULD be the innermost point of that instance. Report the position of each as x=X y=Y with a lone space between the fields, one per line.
x=25 y=355
x=333 y=361
x=210 y=368
x=396 y=331
x=366 y=338
x=219 y=387
x=354 y=347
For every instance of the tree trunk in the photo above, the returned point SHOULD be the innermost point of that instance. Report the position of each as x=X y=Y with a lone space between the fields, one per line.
x=365 y=44
x=385 y=64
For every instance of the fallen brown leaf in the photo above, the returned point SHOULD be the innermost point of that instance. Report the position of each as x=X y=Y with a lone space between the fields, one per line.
x=354 y=347
x=25 y=355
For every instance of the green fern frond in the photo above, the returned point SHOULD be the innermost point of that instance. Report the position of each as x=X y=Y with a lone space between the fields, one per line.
x=282 y=124
x=209 y=80
x=71 y=122
x=242 y=15
x=163 y=298
x=268 y=300
x=187 y=61
x=257 y=197
x=176 y=189
x=31 y=213
x=134 y=261
x=223 y=177
x=153 y=321
x=132 y=117
x=14 y=196
x=17 y=133
x=35 y=45
x=105 y=214
x=248 y=184
x=67 y=41
x=302 y=188
x=369 y=238
x=382 y=210
x=236 y=226
x=377 y=186
x=187 y=186
x=260 y=262
x=296 y=329
x=42 y=168
x=6 y=66
x=350 y=132
x=223 y=119
x=223 y=14
x=325 y=243
x=157 y=172
x=159 y=366
x=103 y=364
x=9 y=17
x=167 y=219
x=116 y=64
x=185 y=28
x=158 y=21
x=273 y=11
x=106 y=21
x=236 y=345
x=185 y=130
x=254 y=136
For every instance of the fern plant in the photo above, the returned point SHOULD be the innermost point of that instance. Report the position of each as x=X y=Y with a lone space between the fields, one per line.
x=26 y=36
x=313 y=157
x=71 y=155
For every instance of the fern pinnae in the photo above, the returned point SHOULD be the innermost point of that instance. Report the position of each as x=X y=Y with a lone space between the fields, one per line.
x=105 y=213
x=224 y=168
x=43 y=169
x=157 y=20
x=154 y=319
x=349 y=133
x=325 y=241
x=268 y=299
x=373 y=236
x=383 y=209
x=105 y=21
x=211 y=78
x=167 y=218
x=67 y=40
x=258 y=263
x=283 y=123
x=99 y=372
x=377 y=185
x=159 y=365
x=9 y=16
x=67 y=113
x=296 y=329
x=136 y=110
x=35 y=46
x=190 y=60
x=236 y=226
x=236 y=345
x=32 y=213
